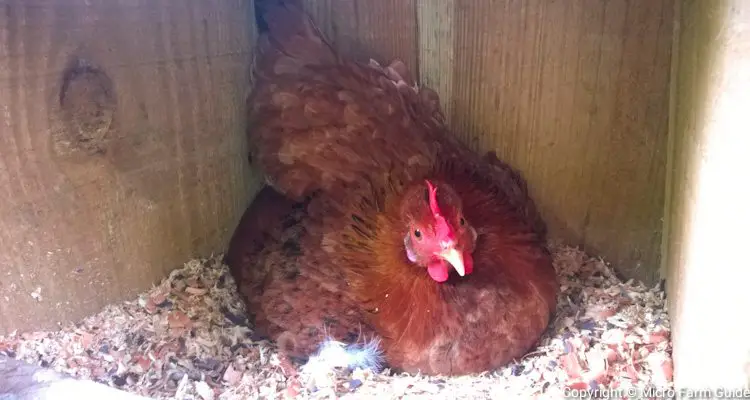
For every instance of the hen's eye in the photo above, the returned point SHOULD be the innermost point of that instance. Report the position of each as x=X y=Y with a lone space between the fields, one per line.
x=462 y=221
x=417 y=233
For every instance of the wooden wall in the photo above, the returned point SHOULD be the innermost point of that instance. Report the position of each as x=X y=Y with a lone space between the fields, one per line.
x=574 y=93
x=122 y=147
x=709 y=194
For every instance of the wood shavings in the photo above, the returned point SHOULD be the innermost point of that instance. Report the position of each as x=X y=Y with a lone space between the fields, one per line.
x=37 y=294
x=188 y=338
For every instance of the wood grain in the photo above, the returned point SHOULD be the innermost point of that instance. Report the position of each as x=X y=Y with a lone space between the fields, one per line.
x=709 y=193
x=573 y=93
x=139 y=166
x=436 y=20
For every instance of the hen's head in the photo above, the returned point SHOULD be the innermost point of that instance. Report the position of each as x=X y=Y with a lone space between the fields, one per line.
x=437 y=236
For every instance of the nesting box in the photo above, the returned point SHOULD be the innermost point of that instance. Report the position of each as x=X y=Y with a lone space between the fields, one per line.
x=124 y=154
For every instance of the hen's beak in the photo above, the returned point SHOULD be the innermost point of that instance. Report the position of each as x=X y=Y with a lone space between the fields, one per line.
x=455 y=258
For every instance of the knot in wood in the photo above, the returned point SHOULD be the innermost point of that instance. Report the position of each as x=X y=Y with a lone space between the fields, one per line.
x=87 y=107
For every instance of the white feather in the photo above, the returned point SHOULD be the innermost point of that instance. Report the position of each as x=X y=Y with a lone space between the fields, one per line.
x=332 y=355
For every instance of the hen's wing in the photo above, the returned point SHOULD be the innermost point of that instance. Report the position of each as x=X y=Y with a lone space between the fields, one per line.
x=289 y=299
x=319 y=122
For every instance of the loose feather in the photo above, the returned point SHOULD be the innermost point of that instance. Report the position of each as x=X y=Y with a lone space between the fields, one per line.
x=334 y=354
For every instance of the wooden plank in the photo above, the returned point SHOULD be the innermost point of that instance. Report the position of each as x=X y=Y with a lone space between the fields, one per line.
x=435 y=21
x=709 y=195
x=575 y=94
x=123 y=150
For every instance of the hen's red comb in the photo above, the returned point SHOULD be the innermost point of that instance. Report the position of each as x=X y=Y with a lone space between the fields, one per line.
x=442 y=229
x=432 y=195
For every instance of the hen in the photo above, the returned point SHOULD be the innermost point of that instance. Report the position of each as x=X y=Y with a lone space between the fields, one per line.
x=376 y=222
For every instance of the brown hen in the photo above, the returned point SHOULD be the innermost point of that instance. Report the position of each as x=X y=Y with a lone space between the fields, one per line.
x=378 y=223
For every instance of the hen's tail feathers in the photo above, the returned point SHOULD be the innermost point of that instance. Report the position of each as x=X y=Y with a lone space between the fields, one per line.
x=332 y=355
x=289 y=39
